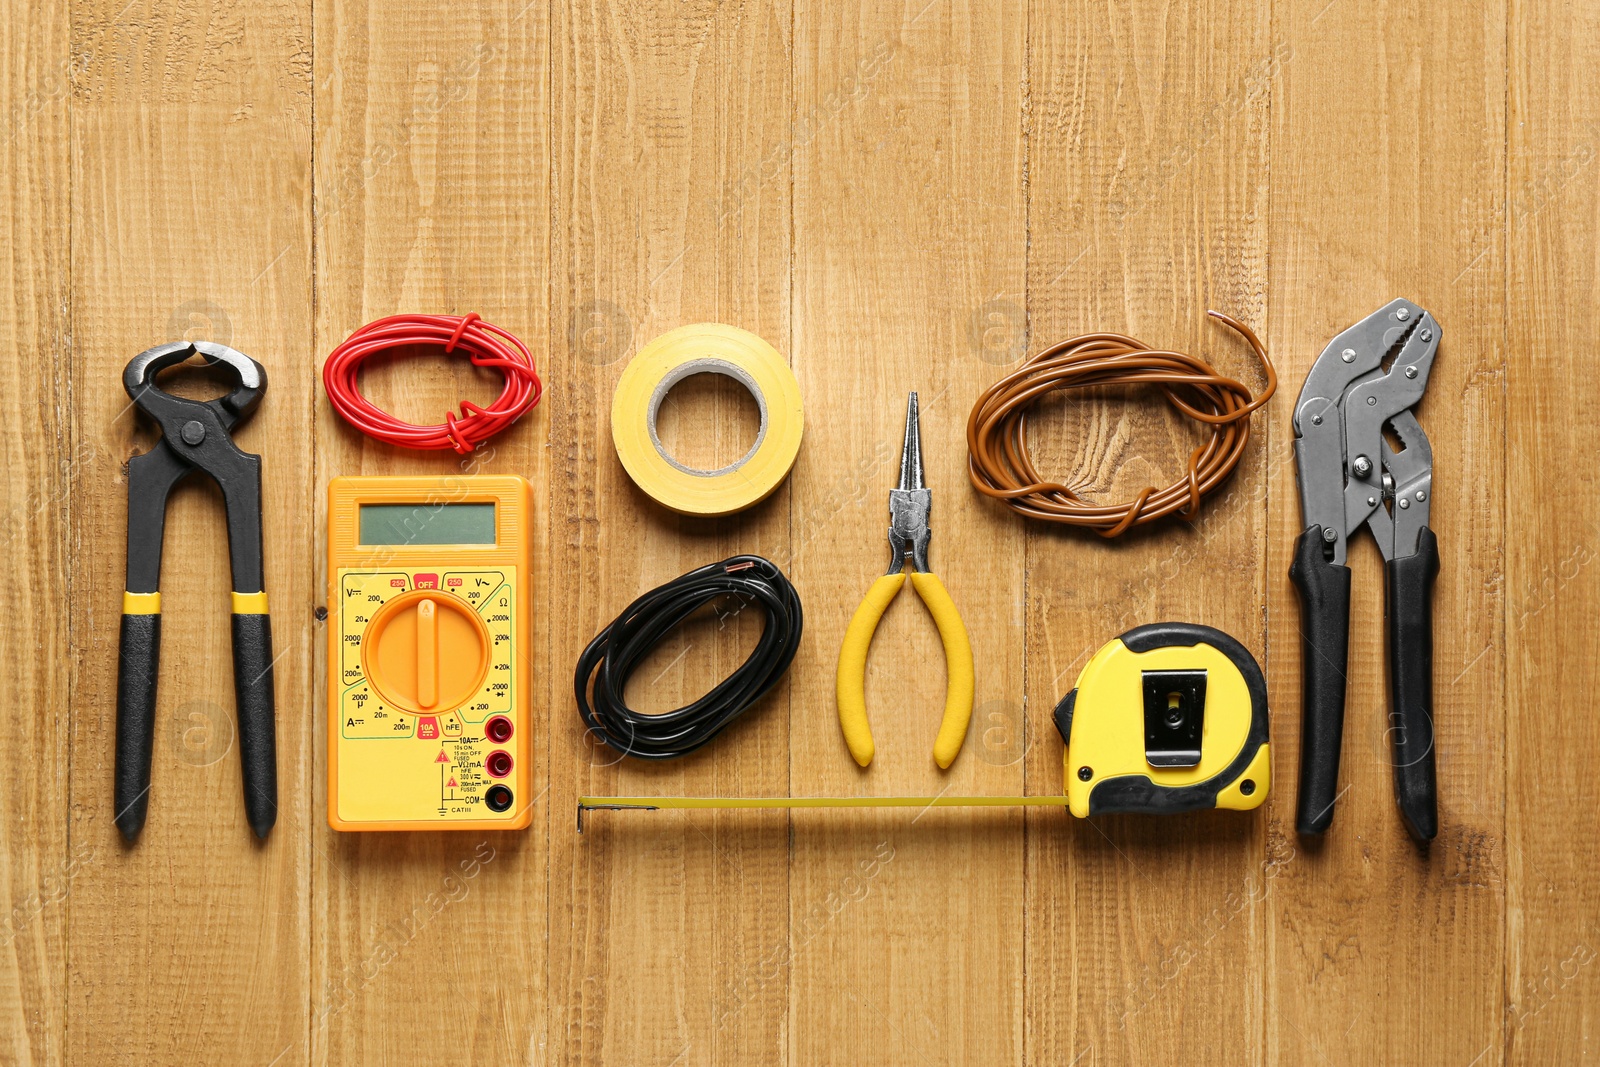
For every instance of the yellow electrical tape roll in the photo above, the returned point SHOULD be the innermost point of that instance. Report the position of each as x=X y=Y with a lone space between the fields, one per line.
x=707 y=348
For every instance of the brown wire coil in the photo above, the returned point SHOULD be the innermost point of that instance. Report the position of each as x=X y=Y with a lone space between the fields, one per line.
x=997 y=443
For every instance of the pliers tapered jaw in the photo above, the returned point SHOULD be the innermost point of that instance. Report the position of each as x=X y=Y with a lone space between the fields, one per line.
x=909 y=502
x=1363 y=385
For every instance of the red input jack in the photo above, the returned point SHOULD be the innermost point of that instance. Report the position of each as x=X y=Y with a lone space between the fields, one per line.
x=498 y=764
x=498 y=729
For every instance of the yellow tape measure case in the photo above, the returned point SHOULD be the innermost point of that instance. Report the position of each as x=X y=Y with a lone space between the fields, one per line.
x=1168 y=717
x=429 y=722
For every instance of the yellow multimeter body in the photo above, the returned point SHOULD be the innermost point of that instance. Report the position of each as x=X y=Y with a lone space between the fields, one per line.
x=1168 y=717
x=429 y=723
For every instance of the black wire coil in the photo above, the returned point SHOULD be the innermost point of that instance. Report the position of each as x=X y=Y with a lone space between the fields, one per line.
x=619 y=648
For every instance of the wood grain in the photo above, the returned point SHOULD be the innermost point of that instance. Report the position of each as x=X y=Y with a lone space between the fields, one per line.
x=898 y=196
x=432 y=176
x=40 y=864
x=1362 y=137
x=668 y=121
x=907 y=933
x=193 y=944
x=1148 y=164
x=1548 y=221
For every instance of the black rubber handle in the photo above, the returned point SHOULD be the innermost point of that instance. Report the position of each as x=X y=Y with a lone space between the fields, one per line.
x=258 y=738
x=1324 y=652
x=138 y=664
x=1408 y=595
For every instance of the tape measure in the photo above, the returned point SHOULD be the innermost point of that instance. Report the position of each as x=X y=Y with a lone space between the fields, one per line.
x=428 y=670
x=707 y=348
x=1168 y=717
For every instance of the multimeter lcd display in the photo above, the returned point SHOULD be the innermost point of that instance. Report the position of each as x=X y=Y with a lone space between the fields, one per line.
x=427 y=524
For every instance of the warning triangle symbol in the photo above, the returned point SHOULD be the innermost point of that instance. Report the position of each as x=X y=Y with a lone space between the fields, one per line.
x=451 y=784
x=442 y=757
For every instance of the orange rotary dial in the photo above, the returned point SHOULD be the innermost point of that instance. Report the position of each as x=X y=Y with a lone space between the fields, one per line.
x=426 y=652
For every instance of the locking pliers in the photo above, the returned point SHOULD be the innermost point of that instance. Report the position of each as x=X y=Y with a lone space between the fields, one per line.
x=1365 y=383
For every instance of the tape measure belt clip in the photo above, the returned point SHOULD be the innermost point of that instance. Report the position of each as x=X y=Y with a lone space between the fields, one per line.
x=1174 y=717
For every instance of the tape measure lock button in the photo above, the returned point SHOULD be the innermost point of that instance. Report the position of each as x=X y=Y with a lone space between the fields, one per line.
x=707 y=348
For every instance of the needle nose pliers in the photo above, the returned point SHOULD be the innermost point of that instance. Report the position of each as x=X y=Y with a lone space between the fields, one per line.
x=1366 y=381
x=195 y=437
x=909 y=502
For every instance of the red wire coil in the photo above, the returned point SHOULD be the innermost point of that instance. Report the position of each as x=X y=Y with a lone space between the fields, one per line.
x=486 y=345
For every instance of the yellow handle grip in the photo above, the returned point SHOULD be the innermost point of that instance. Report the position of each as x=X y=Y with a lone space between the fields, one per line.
x=957 y=664
x=851 y=682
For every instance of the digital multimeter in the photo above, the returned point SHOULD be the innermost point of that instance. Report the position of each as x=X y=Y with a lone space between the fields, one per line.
x=428 y=674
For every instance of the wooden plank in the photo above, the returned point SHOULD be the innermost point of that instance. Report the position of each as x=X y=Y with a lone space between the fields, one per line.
x=901 y=196
x=1148 y=195
x=40 y=868
x=1388 y=158
x=432 y=183
x=672 y=126
x=191 y=219
x=906 y=928
x=1552 y=538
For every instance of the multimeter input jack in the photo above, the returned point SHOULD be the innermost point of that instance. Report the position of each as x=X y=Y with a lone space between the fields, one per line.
x=498 y=798
x=498 y=764
x=498 y=729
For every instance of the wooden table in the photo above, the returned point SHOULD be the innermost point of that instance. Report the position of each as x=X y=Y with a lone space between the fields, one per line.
x=898 y=196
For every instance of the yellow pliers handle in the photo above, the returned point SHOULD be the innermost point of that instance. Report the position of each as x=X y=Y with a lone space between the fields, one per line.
x=852 y=676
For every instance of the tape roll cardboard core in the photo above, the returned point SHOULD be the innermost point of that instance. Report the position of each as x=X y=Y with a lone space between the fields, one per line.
x=689 y=370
